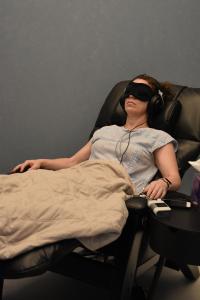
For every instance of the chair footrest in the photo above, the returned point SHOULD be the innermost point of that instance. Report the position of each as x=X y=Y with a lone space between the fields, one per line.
x=36 y=261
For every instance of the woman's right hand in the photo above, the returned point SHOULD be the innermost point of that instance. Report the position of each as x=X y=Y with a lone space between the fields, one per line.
x=27 y=165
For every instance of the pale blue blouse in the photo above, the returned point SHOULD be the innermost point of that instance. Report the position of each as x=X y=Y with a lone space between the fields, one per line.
x=110 y=142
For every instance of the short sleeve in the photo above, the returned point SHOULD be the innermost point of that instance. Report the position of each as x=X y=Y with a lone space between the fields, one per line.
x=95 y=136
x=161 y=139
x=92 y=139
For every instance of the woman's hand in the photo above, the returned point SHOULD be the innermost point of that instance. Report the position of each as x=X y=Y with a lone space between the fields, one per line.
x=27 y=165
x=156 y=189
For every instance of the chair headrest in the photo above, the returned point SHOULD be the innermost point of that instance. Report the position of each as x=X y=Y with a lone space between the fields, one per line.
x=167 y=118
x=164 y=121
x=180 y=118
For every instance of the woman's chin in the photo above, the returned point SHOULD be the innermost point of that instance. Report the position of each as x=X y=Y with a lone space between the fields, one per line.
x=130 y=109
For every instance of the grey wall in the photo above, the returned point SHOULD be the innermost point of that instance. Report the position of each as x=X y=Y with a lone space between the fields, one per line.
x=59 y=59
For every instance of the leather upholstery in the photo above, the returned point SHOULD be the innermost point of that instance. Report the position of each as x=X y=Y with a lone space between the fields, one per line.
x=37 y=261
x=112 y=113
x=187 y=129
x=181 y=118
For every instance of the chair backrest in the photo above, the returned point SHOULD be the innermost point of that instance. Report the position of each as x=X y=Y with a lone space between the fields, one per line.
x=181 y=118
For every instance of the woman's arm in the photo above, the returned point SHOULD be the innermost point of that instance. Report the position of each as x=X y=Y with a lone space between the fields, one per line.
x=165 y=160
x=57 y=163
x=62 y=163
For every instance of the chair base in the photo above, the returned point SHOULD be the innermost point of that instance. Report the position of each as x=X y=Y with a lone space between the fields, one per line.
x=190 y=272
x=1 y=288
x=156 y=277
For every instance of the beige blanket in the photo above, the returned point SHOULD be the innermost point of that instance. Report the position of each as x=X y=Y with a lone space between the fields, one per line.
x=84 y=202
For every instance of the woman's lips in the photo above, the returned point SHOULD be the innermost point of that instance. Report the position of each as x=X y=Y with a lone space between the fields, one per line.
x=131 y=102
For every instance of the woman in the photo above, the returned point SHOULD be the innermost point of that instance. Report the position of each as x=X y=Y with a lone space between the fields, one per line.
x=140 y=149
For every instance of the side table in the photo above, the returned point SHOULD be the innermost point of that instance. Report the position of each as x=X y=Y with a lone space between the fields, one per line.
x=176 y=237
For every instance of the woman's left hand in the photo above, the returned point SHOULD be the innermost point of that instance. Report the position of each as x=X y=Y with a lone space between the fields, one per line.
x=156 y=189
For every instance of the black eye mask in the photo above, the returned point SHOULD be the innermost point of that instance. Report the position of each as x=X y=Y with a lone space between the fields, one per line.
x=140 y=91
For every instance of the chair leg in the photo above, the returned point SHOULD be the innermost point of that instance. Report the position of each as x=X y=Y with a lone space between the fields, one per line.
x=1 y=288
x=156 y=278
x=190 y=272
x=130 y=274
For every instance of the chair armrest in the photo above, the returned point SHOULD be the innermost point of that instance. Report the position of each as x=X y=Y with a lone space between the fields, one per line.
x=139 y=203
x=136 y=203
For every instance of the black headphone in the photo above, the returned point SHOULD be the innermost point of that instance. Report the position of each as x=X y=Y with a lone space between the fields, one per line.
x=155 y=105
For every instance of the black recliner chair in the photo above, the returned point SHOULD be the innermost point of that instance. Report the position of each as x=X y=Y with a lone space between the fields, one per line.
x=118 y=265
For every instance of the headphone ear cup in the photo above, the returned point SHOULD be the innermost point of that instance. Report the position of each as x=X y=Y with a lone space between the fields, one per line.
x=155 y=106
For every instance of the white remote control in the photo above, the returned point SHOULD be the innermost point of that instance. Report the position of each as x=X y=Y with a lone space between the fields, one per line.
x=159 y=207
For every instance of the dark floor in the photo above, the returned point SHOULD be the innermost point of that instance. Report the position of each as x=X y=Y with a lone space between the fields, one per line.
x=172 y=286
